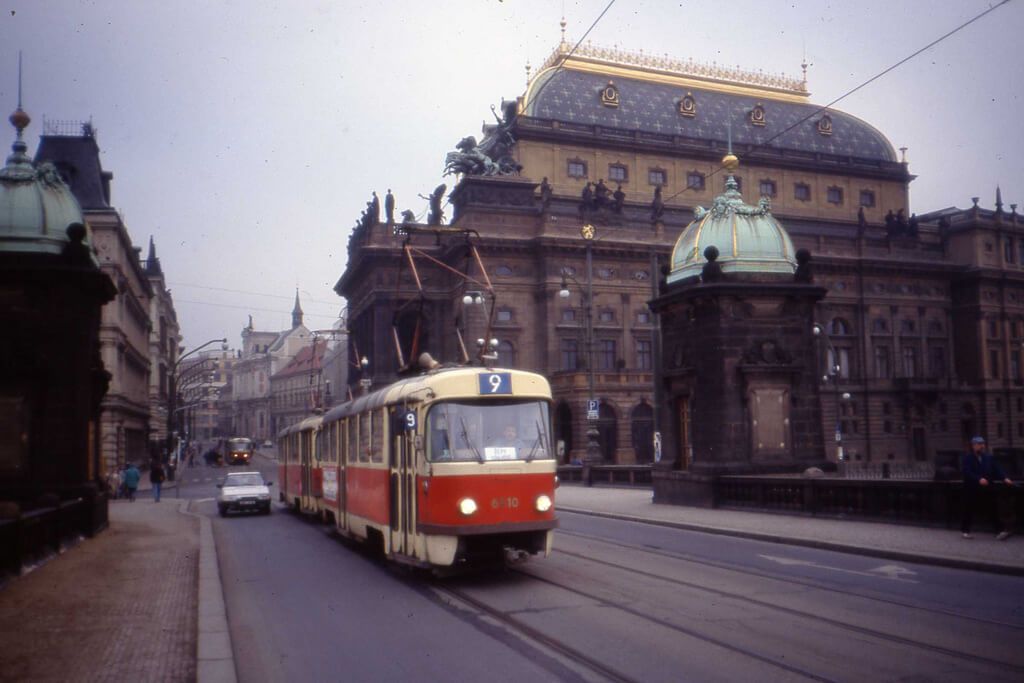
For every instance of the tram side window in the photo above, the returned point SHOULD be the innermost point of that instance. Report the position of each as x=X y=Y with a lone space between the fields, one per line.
x=353 y=440
x=364 y=437
x=332 y=442
x=377 y=432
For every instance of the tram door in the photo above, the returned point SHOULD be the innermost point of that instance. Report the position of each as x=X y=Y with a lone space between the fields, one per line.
x=403 y=481
x=306 y=454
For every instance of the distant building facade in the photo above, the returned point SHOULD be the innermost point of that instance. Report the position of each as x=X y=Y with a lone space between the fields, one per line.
x=261 y=356
x=125 y=329
x=164 y=336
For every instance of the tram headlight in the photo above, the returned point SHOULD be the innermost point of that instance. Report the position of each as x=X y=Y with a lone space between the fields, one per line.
x=543 y=503
x=467 y=506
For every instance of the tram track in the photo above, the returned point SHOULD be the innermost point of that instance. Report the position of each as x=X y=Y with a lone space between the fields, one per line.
x=802 y=614
x=530 y=633
x=805 y=583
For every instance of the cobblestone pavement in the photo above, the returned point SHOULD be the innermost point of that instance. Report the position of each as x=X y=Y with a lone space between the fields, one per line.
x=117 y=607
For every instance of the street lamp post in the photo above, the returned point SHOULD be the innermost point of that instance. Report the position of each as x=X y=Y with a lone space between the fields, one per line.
x=593 y=452
x=834 y=372
x=172 y=396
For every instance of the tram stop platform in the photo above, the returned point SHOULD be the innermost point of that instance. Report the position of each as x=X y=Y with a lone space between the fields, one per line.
x=143 y=599
x=924 y=545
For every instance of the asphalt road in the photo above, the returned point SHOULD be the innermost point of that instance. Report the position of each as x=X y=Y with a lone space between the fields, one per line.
x=615 y=601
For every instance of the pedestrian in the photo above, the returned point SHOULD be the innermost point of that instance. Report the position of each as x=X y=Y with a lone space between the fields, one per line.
x=156 y=477
x=131 y=480
x=980 y=471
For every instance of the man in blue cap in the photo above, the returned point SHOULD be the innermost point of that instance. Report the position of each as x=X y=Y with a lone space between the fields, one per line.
x=980 y=471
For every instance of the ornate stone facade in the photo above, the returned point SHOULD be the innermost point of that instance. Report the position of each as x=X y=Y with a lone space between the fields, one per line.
x=921 y=312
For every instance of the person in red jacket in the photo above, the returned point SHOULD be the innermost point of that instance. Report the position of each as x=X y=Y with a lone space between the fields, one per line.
x=980 y=471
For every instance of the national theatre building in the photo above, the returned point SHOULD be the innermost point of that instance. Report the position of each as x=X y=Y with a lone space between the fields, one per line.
x=575 y=199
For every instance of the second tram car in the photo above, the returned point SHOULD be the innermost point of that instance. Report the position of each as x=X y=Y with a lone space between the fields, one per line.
x=239 y=451
x=455 y=465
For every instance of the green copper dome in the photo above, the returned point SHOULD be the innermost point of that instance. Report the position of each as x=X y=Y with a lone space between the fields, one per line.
x=36 y=206
x=749 y=240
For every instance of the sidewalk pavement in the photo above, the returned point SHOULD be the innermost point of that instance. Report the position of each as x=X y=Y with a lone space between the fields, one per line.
x=142 y=601
x=925 y=545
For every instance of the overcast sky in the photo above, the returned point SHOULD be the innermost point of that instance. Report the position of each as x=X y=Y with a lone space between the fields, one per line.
x=246 y=136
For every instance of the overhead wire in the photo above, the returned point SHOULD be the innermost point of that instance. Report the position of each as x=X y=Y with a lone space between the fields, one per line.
x=825 y=107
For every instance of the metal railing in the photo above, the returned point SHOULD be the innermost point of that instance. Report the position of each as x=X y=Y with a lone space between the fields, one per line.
x=35 y=535
x=627 y=475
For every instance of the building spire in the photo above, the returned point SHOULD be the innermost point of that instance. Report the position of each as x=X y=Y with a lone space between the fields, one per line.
x=18 y=163
x=297 y=311
x=152 y=262
x=999 y=200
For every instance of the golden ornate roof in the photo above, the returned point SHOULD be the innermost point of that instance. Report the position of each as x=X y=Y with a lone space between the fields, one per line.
x=647 y=66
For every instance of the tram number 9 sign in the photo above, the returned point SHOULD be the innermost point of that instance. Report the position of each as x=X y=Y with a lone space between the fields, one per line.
x=495 y=383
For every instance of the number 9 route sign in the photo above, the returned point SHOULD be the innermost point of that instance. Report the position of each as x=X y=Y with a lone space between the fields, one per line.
x=492 y=383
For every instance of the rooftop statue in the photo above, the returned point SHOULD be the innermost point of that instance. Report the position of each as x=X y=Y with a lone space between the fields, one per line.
x=493 y=155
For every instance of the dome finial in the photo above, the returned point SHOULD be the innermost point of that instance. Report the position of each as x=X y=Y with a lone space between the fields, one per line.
x=18 y=160
x=730 y=161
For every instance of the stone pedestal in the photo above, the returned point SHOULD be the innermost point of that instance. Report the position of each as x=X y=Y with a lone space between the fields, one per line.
x=740 y=375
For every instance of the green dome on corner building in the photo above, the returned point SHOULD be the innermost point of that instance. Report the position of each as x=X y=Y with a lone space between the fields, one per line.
x=750 y=241
x=36 y=206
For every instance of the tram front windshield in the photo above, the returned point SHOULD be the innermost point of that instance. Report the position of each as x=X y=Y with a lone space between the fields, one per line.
x=489 y=431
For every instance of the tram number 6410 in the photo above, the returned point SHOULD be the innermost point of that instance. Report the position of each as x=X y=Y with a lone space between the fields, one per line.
x=508 y=502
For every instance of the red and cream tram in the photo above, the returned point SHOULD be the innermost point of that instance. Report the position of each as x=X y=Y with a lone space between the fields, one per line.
x=454 y=465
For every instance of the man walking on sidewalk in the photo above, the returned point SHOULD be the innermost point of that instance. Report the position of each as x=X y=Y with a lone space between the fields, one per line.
x=156 y=477
x=980 y=470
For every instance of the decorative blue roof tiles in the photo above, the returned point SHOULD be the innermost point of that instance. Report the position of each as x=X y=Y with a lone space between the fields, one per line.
x=573 y=96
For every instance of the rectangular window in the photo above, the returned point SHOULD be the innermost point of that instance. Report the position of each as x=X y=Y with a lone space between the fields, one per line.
x=618 y=173
x=867 y=198
x=768 y=188
x=937 y=361
x=883 y=362
x=504 y=315
x=843 y=361
x=1020 y=251
x=377 y=435
x=657 y=176
x=909 y=361
x=364 y=437
x=1014 y=364
x=1008 y=250
x=606 y=316
x=569 y=315
x=993 y=329
x=802 y=192
x=643 y=317
x=835 y=195
x=695 y=180
x=606 y=355
x=577 y=168
x=643 y=354
x=993 y=363
x=570 y=354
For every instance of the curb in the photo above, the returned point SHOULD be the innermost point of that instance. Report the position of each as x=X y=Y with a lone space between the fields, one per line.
x=934 y=560
x=215 y=660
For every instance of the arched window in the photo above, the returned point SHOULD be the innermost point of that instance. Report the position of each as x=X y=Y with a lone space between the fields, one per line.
x=563 y=429
x=506 y=354
x=839 y=326
x=642 y=428
x=607 y=432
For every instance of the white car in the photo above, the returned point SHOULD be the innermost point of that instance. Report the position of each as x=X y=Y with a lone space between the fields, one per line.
x=244 y=492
